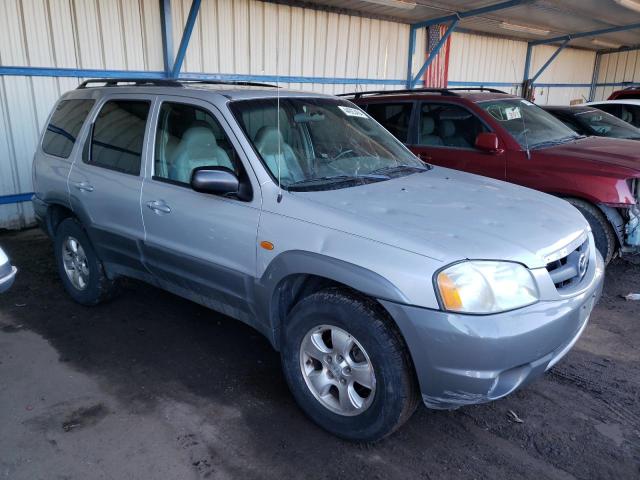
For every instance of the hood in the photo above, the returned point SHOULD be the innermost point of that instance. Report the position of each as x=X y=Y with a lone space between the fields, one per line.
x=601 y=151
x=449 y=215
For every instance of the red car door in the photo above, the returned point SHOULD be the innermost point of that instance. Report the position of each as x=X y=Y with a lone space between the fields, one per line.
x=446 y=134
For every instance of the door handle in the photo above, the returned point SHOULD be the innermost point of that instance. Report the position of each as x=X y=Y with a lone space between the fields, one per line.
x=159 y=207
x=425 y=157
x=84 y=186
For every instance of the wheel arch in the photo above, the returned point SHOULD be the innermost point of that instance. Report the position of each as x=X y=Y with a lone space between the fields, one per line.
x=294 y=275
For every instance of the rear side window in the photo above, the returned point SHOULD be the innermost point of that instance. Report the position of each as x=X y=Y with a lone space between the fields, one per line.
x=395 y=117
x=64 y=126
x=118 y=135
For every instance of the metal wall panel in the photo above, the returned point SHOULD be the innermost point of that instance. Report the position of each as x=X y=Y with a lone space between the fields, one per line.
x=479 y=59
x=104 y=34
x=616 y=68
x=260 y=38
x=499 y=62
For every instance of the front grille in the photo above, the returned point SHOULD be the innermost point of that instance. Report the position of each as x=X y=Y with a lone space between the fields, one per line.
x=570 y=270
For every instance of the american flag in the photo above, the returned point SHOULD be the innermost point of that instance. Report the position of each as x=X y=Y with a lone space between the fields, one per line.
x=437 y=75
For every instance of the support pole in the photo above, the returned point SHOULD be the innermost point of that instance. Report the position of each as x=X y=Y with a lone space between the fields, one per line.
x=167 y=35
x=186 y=36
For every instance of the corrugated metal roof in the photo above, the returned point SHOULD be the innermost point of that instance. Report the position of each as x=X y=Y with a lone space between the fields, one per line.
x=558 y=17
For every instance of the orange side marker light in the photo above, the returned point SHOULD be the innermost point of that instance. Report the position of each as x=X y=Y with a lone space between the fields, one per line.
x=267 y=245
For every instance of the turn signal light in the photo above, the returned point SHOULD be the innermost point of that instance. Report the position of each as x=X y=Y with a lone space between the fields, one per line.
x=267 y=245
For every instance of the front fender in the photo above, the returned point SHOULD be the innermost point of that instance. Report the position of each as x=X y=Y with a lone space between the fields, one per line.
x=298 y=262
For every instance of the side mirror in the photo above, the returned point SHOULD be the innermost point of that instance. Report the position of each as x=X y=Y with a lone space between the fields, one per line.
x=215 y=180
x=488 y=142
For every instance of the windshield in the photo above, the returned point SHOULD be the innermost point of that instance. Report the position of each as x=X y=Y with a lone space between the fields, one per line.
x=320 y=143
x=605 y=125
x=528 y=124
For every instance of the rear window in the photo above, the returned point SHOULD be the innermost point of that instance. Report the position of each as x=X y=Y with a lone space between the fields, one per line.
x=118 y=135
x=64 y=126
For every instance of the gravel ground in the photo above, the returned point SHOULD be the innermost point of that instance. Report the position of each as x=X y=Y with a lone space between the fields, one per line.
x=153 y=386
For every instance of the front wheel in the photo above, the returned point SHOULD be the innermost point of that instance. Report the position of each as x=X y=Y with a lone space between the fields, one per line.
x=603 y=234
x=347 y=367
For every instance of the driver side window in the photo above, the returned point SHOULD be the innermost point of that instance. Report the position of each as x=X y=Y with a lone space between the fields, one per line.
x=189 y=137
x=448 y=125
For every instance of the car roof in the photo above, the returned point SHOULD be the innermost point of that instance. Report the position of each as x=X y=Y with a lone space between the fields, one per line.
x=471 y=96
x=568 y=108
x=198 y=89
x=629 y=101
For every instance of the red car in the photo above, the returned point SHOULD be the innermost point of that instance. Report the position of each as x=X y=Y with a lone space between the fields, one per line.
x=630 y=93
x=494 y=134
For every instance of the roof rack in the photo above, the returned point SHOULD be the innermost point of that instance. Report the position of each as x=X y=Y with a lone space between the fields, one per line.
x=160 y=82
x=115 y=82
x=442 y=91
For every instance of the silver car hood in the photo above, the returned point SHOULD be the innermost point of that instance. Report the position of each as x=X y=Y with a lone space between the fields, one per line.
x=449 y=215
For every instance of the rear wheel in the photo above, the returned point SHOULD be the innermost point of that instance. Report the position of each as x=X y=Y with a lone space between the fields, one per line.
x=347 y=367
x=603 y=233
x=79 y=267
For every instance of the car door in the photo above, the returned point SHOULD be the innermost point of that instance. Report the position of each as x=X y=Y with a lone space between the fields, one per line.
x=199 y=245
x=105 y=182
x=446 y=135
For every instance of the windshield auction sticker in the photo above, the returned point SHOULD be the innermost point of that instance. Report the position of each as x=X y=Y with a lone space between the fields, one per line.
x=513 y=113
x=352 y=112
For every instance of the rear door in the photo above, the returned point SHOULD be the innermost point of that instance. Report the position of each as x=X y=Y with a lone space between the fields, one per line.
x=201 y=246
x=105 y=183
x=446 y=135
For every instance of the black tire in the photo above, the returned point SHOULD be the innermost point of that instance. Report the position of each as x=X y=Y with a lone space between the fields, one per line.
x=98 y=287
x=603 y=233
x=396 y=396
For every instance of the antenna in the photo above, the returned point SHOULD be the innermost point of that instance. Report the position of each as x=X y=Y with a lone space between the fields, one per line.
x=278 y=112
x=524 y=124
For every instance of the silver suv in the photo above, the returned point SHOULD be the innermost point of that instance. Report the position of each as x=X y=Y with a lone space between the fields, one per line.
x=381 y=280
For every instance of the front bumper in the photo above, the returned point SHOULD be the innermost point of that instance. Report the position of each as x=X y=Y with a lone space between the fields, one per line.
x=468 y=359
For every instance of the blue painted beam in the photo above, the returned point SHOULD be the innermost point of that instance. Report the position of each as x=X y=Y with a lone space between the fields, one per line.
x=471 y=13
x=167 y=35
x=434 y=52
x=551 y=59
x=527 y=62
x=594 y=79
x=593 y=33
x=17 y=198
x=186 y=36
x=412 y=50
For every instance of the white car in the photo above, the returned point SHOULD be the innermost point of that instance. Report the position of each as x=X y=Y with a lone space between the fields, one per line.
x=627 y=110
x=7 y=272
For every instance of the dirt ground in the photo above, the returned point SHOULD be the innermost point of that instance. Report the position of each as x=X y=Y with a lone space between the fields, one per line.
x=152 y=386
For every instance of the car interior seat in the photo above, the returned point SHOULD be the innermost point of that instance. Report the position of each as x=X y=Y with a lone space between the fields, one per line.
x=447 y=130
x=273 y=149
x=427 y=136
x=198 y=148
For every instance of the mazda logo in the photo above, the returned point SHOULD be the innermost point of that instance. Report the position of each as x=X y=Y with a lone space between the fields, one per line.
x=582 y=264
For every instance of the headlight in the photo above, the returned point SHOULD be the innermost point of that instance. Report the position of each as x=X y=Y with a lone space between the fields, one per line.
x=486 y=287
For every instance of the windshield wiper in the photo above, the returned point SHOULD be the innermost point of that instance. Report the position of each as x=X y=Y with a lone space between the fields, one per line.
x=400 y=168
x=308 y=183
x=560 y=141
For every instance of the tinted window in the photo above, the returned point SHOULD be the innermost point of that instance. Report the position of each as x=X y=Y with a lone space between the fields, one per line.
x=189 y=137
x=612 y=108
x=118 y=134
x=395 y=117
x=447 y=125
x=64 y=126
